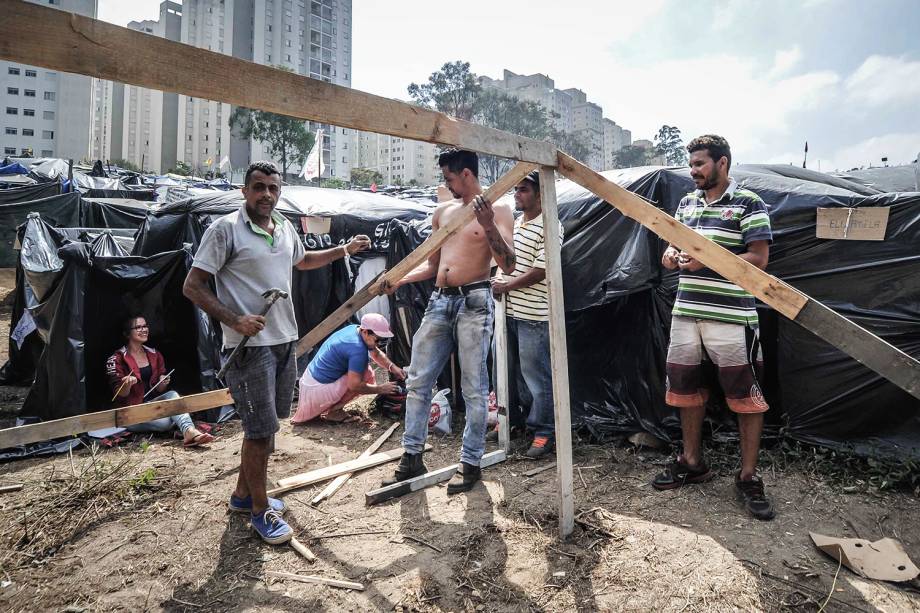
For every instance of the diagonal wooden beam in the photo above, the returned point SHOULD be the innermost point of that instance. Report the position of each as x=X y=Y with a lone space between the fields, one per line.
x=410 y=262
x=882 y=357
x=113 y=418
x=51 y=38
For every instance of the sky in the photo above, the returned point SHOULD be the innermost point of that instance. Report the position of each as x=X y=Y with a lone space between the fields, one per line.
x=768 y=75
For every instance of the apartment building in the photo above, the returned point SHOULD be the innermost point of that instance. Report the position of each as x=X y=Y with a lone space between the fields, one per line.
x=615 y=138
x=398 y=160
x=46 y=113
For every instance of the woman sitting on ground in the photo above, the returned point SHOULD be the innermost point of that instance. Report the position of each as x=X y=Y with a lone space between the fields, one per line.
x=134 y=370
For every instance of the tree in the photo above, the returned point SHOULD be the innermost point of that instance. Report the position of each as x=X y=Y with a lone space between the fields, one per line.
x=669 y=144
x=126 y=164
x=573 y=144
x=452 y=90
x=286 y=138
x=502 y=111
x=631 y=156
x=335 y=183
x=365 y=177
x=181 y=169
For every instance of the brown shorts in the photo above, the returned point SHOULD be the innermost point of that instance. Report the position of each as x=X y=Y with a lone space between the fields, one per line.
x=735 y=350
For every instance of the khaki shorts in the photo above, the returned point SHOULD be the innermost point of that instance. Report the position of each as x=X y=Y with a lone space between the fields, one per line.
x=733 y=348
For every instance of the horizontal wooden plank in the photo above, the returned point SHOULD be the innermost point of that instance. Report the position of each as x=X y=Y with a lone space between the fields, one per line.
x=778 y=294
x=427 y=480
x=113 y=418
x=42 y=36
x=331 y=472
x=339 y=481
x=408 y=263
x=882 y=357
x=349 y=585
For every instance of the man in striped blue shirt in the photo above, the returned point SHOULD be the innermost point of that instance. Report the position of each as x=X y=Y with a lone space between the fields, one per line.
x=715 y=317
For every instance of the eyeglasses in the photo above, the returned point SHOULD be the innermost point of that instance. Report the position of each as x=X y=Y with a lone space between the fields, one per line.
x=144 y=327
x=382 y=342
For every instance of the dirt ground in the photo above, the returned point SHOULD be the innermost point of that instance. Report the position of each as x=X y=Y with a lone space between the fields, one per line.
x=144 y=526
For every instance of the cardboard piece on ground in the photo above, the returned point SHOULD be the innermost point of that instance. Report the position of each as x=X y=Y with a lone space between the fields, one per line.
x=852 y=224
x=884 y=559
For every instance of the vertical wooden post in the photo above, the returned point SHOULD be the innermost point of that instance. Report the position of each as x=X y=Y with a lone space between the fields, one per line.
x=501 y=374
x=558 y=351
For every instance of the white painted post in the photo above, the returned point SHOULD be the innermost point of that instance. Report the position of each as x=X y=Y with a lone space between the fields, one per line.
x=558 y=351
x=501 y=374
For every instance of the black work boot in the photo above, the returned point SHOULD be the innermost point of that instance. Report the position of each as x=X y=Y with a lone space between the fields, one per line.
x=464 y=479
x=751 y=494
x=410 y=465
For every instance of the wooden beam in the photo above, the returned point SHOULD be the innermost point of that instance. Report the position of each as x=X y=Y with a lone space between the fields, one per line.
x=860 y=344
x=349 y=585
x=501 y=374
x=37 y=35
x=330 y=472
x=410 y=262
x=428 y=479
x=339 y=481
x=113 y=418
x=558 y=352
x=302 y=550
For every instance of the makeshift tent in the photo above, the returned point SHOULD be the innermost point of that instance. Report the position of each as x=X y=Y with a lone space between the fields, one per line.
x=888 y=178
x=324 y=217
x=73 y=284
x=618 y=300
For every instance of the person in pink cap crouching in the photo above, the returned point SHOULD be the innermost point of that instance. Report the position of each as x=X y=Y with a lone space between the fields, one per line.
x=340 y=371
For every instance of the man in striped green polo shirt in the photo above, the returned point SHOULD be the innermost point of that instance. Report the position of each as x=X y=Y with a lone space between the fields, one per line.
x=715 y=317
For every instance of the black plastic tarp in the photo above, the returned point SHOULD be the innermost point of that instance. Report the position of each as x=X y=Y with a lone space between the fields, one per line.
x=96 y=278
x=618 y=301
x=888 y=178
x=29 y=192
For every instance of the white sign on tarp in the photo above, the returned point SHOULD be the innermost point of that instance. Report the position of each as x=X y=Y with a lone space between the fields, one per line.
x=313 y=167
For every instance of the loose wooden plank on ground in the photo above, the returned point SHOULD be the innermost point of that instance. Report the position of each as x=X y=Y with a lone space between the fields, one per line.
x=350 y=585
x=31 y=34
x=120 y=418
x=330 y=472
x=428 y=479
x=408 y=263
x=302 y=550
x=339 y=481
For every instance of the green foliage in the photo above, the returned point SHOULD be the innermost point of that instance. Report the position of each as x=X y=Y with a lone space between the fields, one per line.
x=127 y=165
x=365 y=177
x=453 y=90
x=497 y=109
x=631 y=156
x=335 y=183
x=145 y=479
x=668 y=143
x=572 y=143
x=181 y=168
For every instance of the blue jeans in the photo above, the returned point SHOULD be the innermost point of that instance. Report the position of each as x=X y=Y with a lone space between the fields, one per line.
x=528 y=347
x=164 y=424
x=464 y=323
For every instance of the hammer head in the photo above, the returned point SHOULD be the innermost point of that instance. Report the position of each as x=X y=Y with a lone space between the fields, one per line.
x=274 y=294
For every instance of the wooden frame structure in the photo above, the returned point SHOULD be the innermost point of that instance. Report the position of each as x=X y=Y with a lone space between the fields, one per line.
x=57 y=40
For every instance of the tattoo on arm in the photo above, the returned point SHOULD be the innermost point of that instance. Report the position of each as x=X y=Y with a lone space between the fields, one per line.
x=503 y=254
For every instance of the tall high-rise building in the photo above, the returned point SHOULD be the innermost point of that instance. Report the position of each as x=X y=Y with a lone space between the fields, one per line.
x=615 y=138
x=46 y=113
x=309 y=37
x=398 y=160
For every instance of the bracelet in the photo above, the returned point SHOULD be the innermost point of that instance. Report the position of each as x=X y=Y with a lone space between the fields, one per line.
x=344 y=251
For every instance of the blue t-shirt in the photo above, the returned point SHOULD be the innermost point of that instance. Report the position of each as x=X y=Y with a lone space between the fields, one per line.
x=342 y=352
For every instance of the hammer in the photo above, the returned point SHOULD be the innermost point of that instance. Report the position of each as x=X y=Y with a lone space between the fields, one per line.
x=271 y=296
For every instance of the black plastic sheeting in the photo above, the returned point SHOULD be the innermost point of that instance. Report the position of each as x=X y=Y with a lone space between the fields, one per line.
x=316 y=293
x=618 y=311
x=98 y=278
x=30 y=192
x=887 y=179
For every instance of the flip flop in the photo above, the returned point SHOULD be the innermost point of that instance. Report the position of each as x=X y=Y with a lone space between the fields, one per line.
x=202 y=439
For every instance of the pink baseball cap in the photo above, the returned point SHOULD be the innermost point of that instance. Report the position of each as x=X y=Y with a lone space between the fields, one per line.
x=378 y=324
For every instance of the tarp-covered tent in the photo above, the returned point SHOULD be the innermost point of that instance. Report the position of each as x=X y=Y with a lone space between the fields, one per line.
x=324 y=217
x=888 y=178
x=73 y=283
x=24 y=193
x=618 y=301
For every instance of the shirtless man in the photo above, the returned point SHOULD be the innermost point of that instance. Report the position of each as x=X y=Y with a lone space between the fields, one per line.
x=460 y=315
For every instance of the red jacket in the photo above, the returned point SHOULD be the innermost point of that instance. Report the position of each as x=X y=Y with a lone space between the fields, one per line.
x=120 y=364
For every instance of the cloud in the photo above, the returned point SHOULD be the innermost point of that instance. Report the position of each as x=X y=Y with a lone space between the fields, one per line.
x=898 y=147
x=885 y=81
x=785 y=60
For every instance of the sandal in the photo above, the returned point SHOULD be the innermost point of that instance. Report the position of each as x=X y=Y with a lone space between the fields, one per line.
x=678 y=474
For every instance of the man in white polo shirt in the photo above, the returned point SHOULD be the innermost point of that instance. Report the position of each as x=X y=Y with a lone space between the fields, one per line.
x=527 y=306
x=248 y=252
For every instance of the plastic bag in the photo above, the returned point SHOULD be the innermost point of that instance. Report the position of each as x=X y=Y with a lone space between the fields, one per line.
x=439 y=418
x=492 y=416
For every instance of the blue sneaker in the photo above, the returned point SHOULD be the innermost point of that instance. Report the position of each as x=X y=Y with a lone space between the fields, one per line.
x=271 y=527
x=244 y=505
